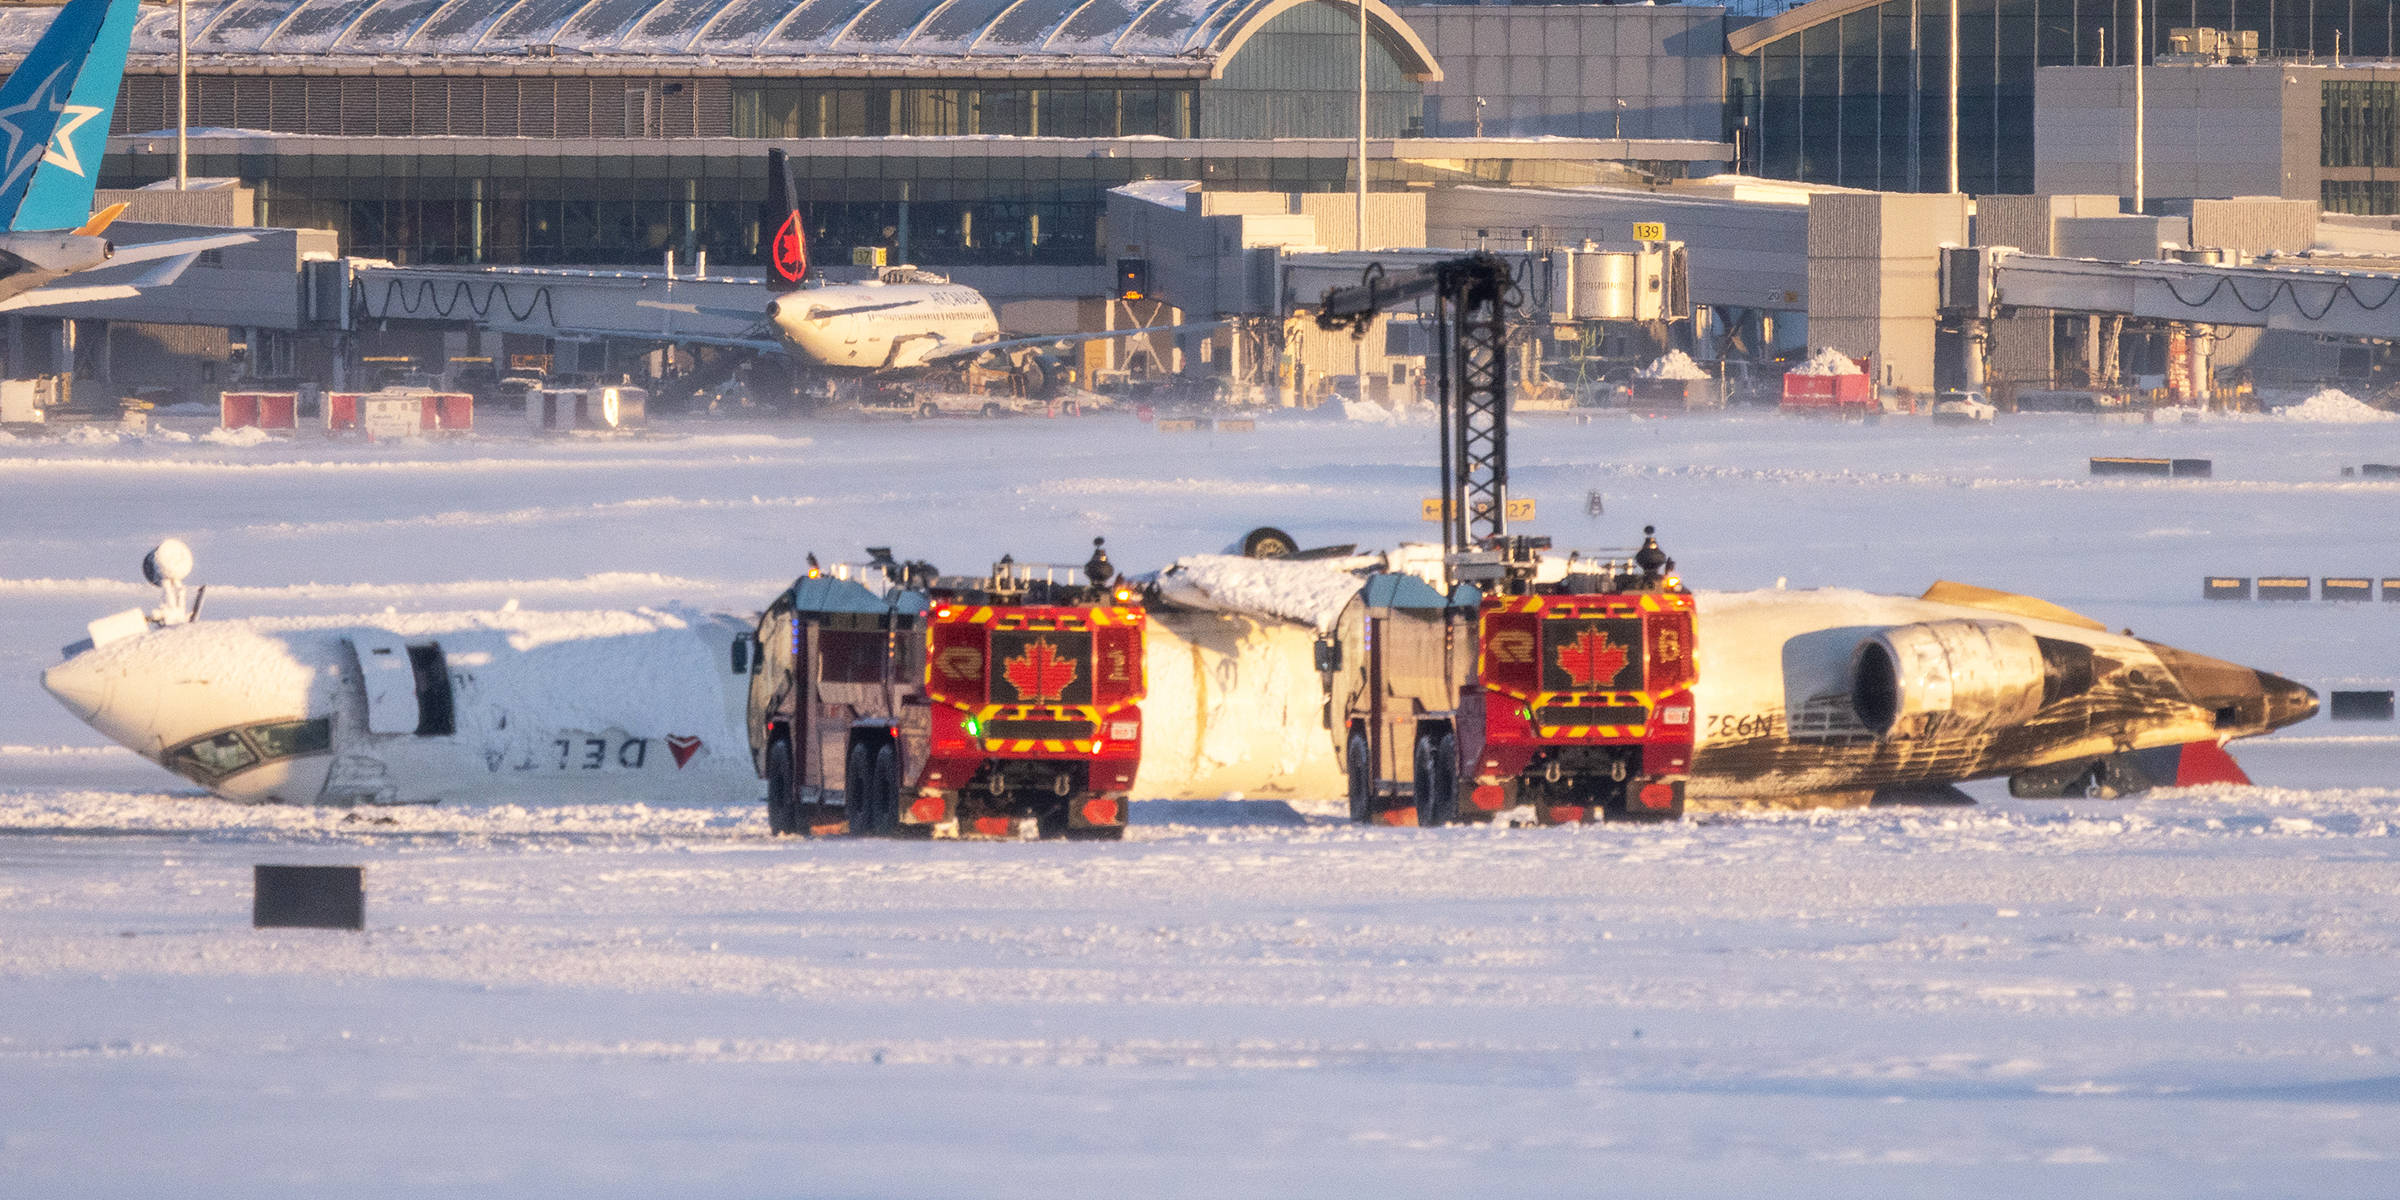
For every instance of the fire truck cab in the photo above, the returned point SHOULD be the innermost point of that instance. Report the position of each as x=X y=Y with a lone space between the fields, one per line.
x=999 y=706
x=1563 y=691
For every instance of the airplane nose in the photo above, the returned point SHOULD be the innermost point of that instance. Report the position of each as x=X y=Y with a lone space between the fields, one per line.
x=78 y=685
x=2287 y=703
x=2246 y=700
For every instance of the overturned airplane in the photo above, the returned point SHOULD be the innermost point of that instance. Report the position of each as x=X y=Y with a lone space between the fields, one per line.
x=1624 y=701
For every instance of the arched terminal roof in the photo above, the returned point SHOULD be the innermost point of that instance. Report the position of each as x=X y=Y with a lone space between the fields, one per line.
x=1179 y=37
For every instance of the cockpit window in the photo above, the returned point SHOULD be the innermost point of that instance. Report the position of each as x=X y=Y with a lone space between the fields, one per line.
x=289 y=738
x=219 y=754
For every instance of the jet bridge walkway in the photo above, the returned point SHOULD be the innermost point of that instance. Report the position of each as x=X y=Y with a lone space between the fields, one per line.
x=2336 y=303
x=550 y=302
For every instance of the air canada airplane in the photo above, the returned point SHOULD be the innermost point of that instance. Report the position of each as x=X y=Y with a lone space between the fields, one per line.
x=54 y=116
x=905 y=320
x=648 y=705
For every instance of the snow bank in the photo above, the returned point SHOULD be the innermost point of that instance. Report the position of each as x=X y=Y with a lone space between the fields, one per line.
x=2333 y=406
x=1370 y=413
x=1307 y=592
x=247 y=435
x=1828 y=361
x=1675 y=364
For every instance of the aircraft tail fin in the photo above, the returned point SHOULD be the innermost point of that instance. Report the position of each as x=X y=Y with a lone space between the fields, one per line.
x=787 y=250
x=54 y=113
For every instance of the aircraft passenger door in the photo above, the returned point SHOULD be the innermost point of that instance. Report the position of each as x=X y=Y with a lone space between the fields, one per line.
x=383 y=665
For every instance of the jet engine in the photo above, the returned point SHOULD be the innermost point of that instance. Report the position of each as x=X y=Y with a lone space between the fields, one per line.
x=1946 y=678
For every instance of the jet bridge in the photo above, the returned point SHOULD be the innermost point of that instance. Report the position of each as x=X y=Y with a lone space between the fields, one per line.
x=2194 y=296
x=2336 y=303
x=547 y=302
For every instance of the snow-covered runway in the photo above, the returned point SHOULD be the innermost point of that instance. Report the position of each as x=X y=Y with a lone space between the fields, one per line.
x=2183 y=994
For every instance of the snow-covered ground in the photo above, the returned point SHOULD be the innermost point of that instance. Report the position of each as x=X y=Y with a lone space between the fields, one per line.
x=2187 y=993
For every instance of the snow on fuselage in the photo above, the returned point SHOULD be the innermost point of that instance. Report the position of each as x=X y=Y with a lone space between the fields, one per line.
x=877 y=326
x=418 y=708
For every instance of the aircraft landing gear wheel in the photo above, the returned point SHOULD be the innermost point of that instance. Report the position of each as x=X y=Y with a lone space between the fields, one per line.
x=857 y=782
x=884 y=792
x=1362 y=784
x=781 y=817
x=1266 y=541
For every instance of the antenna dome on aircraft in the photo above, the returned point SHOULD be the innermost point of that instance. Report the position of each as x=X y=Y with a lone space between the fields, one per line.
x=171 y=562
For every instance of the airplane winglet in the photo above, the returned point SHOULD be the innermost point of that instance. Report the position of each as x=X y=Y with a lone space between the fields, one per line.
x=103 y=219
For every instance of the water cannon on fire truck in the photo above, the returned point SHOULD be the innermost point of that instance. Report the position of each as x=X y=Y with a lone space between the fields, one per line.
x=1531 y=682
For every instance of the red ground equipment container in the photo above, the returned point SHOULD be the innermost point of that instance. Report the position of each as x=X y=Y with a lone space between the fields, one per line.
x=259 y=410
x=1839 y=395
x=999 y=706
x=433 y=412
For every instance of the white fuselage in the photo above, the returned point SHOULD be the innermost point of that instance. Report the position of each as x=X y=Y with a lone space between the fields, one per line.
x=861 y=328
x=650 y=706
x=540 y=707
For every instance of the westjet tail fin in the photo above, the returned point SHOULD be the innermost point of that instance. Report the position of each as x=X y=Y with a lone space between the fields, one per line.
x=54 y=114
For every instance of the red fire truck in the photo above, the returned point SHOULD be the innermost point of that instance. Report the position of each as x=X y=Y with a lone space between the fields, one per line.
x=998 y=706
x=1562 y=685
x=1570 y=697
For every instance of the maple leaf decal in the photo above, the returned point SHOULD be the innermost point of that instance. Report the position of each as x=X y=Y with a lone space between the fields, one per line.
x=1591 y=660
x=1041 y=675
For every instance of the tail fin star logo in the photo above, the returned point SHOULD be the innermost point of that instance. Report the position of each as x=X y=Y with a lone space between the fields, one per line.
x=20 y=157
x=61 y=152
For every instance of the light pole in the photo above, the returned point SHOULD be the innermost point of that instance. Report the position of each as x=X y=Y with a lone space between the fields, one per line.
x=1953 y=188
x=1617 y=128
x=183 y=95
x=1362 y=132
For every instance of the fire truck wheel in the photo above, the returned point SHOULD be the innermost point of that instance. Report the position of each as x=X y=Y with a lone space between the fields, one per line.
x=780 y=817
x=856 y=780
x=1362 y=781
x=991 y=410
x=928 y=409
x=884 y=793
x=1437 y=780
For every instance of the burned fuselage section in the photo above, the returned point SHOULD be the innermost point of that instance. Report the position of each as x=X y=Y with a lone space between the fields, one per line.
x=1837 y=691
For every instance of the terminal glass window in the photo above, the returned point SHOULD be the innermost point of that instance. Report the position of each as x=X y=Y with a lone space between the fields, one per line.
x=2358 y=123
x=812 y=110
x=2363 y=197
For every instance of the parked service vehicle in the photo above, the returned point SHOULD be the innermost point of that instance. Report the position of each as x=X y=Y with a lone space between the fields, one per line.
x=1963 y=408
x=896 y=701
x=1568 y=693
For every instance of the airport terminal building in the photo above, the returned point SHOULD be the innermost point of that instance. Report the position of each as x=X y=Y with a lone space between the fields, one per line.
x=966 y=135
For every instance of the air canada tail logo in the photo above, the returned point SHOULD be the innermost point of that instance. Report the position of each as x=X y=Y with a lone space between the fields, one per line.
x=791 y=250
x=1041 y=675
x=1591 y=660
